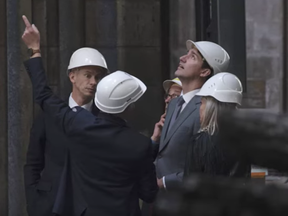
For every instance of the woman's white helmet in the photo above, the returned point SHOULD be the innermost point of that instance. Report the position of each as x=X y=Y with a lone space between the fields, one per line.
x=117 y=91
x=224 y=87
x=86 y=57
x=215 y=55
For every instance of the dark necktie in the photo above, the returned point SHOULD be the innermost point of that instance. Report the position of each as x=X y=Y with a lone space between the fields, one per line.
x=176 y=112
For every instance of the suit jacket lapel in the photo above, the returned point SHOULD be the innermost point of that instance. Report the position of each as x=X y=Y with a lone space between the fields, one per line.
x=168 y=119
x=188 y=110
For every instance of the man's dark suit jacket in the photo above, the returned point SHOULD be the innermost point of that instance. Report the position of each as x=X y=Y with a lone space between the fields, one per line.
x=44 y=164
x=109 y=164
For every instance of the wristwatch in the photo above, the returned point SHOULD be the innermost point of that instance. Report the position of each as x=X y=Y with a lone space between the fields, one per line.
x=33 y=51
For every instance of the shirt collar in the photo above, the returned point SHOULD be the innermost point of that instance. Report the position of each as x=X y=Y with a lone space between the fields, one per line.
x=189 y=95
x=72 y=104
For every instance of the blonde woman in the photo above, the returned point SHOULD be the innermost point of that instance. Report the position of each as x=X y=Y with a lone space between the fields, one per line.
x=221 y=92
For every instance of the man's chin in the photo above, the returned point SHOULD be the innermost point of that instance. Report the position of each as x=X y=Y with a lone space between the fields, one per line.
x=178 y=73
x=90 y=95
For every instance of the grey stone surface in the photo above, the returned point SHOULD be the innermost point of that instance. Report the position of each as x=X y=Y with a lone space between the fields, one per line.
x=52 y=22
x=264 y=36
x=71 y=37
x=19 y=106
x=101 y=23
x=39 y=18
x=139 y=53
x=52 y=61
x=3 y=115
x=182 y=27
x=111 y=56
x=256 y=88
x=138 y=23
x=145 y=63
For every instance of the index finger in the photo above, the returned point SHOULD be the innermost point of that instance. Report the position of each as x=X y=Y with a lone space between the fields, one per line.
x=26 y=21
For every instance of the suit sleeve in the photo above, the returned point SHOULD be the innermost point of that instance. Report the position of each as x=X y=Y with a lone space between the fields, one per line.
x=34 y=160
x=155 y=149
x=70 y=121
x=175 y=178
x=35 y=154
x=148 y=187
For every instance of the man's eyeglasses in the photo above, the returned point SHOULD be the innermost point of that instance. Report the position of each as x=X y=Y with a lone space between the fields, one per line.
x=170 y=96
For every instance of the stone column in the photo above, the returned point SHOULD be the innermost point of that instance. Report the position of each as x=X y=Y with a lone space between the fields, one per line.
x=19 y=105
x=264 y=48
x=3 y=114
x=285 y=57
x=101 y=29
x=182 y=27
x=71 y=37
x=139 y=53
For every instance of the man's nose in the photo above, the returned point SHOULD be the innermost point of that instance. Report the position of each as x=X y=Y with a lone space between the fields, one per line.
x=93 y=82
x=182 y=58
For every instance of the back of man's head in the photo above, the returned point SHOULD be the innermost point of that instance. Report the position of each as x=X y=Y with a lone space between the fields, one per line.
x=117 y=91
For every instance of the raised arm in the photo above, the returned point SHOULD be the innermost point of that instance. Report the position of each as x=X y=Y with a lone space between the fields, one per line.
x=56 y=108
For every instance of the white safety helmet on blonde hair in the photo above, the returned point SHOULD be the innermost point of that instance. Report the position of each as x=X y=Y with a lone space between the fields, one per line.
x=216 y=56
x=117 y=91
x=224 y=87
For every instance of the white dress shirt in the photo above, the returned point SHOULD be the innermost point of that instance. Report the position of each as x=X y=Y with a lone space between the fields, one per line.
x=87 y=106
x=188 y=97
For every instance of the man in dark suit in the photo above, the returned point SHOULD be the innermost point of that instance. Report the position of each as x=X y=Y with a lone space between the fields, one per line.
x=182 y=118
x=109 y=165
x=46 y=154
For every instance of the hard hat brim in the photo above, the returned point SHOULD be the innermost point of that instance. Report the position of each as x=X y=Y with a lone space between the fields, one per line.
x=70 y=69
x=237 y=99
x=168 y=83
x=142 y=85
x=190 y=44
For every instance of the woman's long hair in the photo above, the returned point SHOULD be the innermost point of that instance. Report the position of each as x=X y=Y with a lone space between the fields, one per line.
x=213 y=107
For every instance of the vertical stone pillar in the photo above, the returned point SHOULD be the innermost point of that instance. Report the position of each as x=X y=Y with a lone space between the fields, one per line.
x=101 y=29
x=139 y=53
x=285 y=56
x=264 y=47
x=182 y=27
x=71 y=37
x=19 y=105
x=3 y=114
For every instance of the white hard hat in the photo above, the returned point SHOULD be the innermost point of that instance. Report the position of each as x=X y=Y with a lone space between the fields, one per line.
x=224 y=87
x=117 y=91
x=86 y=57
x=217 y=57
x=168 y=83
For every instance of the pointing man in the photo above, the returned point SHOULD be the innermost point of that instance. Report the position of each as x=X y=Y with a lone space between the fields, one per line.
x=110 y=165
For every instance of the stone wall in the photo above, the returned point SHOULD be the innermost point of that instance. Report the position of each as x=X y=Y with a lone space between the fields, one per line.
x=265 y=48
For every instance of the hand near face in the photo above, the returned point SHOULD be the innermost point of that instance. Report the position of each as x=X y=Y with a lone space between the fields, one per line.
x=158 y=129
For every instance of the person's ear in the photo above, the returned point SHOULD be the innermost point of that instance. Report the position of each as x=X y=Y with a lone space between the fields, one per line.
x=205 y=72
x=72 y=76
